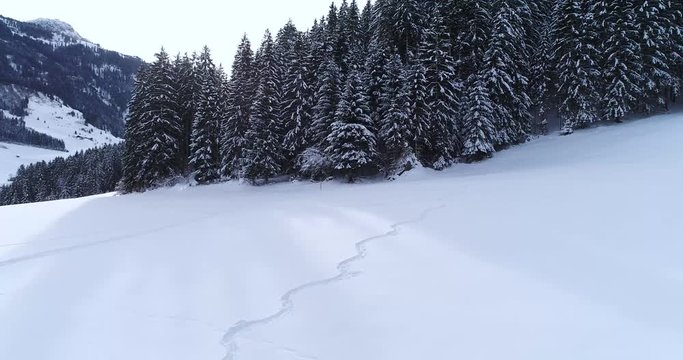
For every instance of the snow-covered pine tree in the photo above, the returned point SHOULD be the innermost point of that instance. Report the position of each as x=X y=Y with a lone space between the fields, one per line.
x=479 y=132
x=186 y=87
x=352 y=49
x=440 y=145
x=577 y=60
x=504 y=64
x=541 y=83
x=328 y=91
x=352 y=142
x=366 y=25
x=419 y=110
x=205 y=157
x=676 y=35
x=133 y=152
x=472 y=21
x=375 y=63
x=395 y=130
x=401 y=23
x=653 y=21
x=159 y=130
x=241 y=91
x=622 y=67
x=296 y=103
x=263 y=152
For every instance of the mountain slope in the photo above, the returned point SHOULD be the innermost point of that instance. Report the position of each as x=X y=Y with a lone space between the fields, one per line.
x=49 y=57
x=565 y=248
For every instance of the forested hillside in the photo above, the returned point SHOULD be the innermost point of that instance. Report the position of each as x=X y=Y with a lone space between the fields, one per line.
x=401 y=83
x=49 y=57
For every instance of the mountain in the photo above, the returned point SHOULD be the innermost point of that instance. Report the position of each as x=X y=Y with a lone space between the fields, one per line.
x=564 y=248
x=48 y=58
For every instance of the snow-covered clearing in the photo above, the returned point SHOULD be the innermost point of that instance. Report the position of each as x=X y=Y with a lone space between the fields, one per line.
x=12 y=156
x=565 y=248
x=52 y=117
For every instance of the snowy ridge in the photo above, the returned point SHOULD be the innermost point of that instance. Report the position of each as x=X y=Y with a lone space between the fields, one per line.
x=287 y=300
x=63 y=33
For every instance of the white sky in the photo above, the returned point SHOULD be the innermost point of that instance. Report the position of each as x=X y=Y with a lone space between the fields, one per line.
x=141 y=27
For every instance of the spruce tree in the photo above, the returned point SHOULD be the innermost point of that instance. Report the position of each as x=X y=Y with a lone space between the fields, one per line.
x=263 y=153
x=296 y=103
x=577 y=62
x=622 y=69
x=401 y=22
x=419 y=110
x=541 y=82
x=352 y=142
x=186 y=88
x=504 y=63
x=241 y=91
x=395 y=130
x=133 y=153
x=205 y=157
x=440 y=145
x=653 y=21
x=327 y=97
x=159 y=130
x=479 y=131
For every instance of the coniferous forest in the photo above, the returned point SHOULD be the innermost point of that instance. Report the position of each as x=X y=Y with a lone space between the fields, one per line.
x=400 y=83
x=90 y=172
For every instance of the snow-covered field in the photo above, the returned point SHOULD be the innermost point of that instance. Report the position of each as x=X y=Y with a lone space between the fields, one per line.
x=565 y=248
x=52 y=117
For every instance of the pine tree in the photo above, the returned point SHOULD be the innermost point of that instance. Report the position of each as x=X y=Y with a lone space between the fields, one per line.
x=473 y=28
x=327 y=97
x=352 y=143
x=375 y=64
x=263 y=153
x=296 y=103
x=622 y=69
x=205 y=157
x=132 y=156
x=396 y=131
x=541 y=82
x=159 y=131
x=441 y=144
x=504 y=63
x=186 y=87
x=401 y=22
x=652 y=19
x=241 y=93
x=676 y=36
x=419 y=110
x=479 y=132
x=577 y=59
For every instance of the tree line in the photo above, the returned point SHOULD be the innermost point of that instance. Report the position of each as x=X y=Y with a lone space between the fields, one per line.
x=398 y=84
x=90 y=172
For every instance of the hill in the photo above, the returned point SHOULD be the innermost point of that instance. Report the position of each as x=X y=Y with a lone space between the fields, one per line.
x=563 y=248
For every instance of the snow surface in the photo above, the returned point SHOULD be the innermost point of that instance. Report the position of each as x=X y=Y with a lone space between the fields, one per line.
x=51 y=116
x=12 y=156
x=565 y=248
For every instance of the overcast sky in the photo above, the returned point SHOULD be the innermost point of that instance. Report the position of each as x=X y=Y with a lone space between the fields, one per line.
x=141 y=27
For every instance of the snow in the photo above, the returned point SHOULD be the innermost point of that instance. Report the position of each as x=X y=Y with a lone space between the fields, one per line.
x=564 y=248
x=63 y=33
x=12 y=156
x=52 y=117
